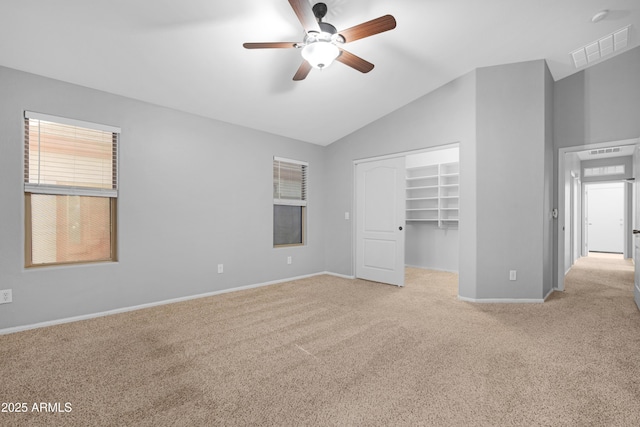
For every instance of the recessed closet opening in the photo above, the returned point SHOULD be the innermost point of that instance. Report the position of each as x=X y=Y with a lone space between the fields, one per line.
x=432 y=209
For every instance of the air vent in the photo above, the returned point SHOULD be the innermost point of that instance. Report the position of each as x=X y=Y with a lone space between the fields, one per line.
x=605 y=151
x=614 y=42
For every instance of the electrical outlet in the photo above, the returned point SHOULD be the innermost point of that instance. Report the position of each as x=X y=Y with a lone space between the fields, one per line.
x=512 y=275
x=220 y=268
x=288 y=260
x=5 y=296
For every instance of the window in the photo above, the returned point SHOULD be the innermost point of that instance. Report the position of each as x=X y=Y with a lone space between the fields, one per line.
x=71 y=190
x=604 y=170
x=289 y=201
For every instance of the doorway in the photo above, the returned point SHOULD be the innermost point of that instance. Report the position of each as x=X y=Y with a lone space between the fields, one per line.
x=604 y=217
x=573 y=176
x=406 y=213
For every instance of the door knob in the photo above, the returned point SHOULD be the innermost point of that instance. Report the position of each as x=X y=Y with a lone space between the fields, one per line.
x=400 y=228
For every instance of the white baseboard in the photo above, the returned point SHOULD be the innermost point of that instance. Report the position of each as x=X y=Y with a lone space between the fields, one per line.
x=431 y=268
x=343 y=276
x=502 y=300
x=508 y=300
x=155 y=304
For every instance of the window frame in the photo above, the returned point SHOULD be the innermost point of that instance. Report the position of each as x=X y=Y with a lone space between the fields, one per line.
x=302 y=203
x=55 y=190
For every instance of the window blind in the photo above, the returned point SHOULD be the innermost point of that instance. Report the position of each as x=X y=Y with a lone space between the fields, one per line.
x=70 y=157
x=289 y=182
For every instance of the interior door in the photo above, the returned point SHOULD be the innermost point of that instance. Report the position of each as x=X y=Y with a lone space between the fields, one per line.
x=380 y=220
x=605 y=217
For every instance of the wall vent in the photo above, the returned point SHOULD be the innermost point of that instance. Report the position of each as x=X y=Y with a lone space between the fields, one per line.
x=614 y=42
x=605 y=151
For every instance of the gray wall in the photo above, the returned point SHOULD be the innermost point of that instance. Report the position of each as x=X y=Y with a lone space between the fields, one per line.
x=502 y=118
x=512 y=147
x=599 y=104
x=193 y=193
x=179 y=215
x=444 y=116
x=428 y=246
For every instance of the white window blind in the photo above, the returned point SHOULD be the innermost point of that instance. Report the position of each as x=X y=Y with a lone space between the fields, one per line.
x=289 y=182
x=70 y=157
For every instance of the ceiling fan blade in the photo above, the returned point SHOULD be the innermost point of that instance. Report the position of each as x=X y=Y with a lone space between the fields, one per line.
x=369 y=28
x=273 y=45
x=303 y=71
x=355 y=62
x=305 y=15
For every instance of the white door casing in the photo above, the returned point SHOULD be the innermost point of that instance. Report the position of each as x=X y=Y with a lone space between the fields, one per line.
x=636 y=225
x=380 y=220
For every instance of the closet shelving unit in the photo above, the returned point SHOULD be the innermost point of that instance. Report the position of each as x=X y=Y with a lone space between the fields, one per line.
x=433 y=194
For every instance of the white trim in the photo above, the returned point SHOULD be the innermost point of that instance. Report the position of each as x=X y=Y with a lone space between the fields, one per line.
x=408 y=153
x=432 y=268
x=343 y=276
x=503 y=300
x=295 y=162
x=290 y=202
x=69 y=191
x=159 y=303
x=548 y=294
x=71 y=122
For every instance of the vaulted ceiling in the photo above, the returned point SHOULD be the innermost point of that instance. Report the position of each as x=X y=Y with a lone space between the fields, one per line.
x=188 y=54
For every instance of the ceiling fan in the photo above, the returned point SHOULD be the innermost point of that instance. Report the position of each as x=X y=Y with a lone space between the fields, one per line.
x=322 y=43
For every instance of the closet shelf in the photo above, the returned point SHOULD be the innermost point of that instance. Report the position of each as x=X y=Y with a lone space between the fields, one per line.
x=442 y=197
x=422 y=187
x=421 y=198
x=415 y=178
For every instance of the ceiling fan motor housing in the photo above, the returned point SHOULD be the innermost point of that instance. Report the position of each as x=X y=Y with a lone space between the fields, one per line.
x=325 y=27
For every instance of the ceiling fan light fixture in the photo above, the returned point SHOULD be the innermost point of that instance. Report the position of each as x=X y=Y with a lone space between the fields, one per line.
x=320 y=54
x=323 y=43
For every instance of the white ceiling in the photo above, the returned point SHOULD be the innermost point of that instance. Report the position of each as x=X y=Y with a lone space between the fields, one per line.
x=188 y=54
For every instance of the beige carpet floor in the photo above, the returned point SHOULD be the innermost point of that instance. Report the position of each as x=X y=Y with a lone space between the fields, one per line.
x=337 y=352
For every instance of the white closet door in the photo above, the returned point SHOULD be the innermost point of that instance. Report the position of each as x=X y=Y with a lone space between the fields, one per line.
x=380 y=220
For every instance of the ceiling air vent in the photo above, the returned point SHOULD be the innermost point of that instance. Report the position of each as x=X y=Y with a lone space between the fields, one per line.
x=605 y=151
x=614 y=42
